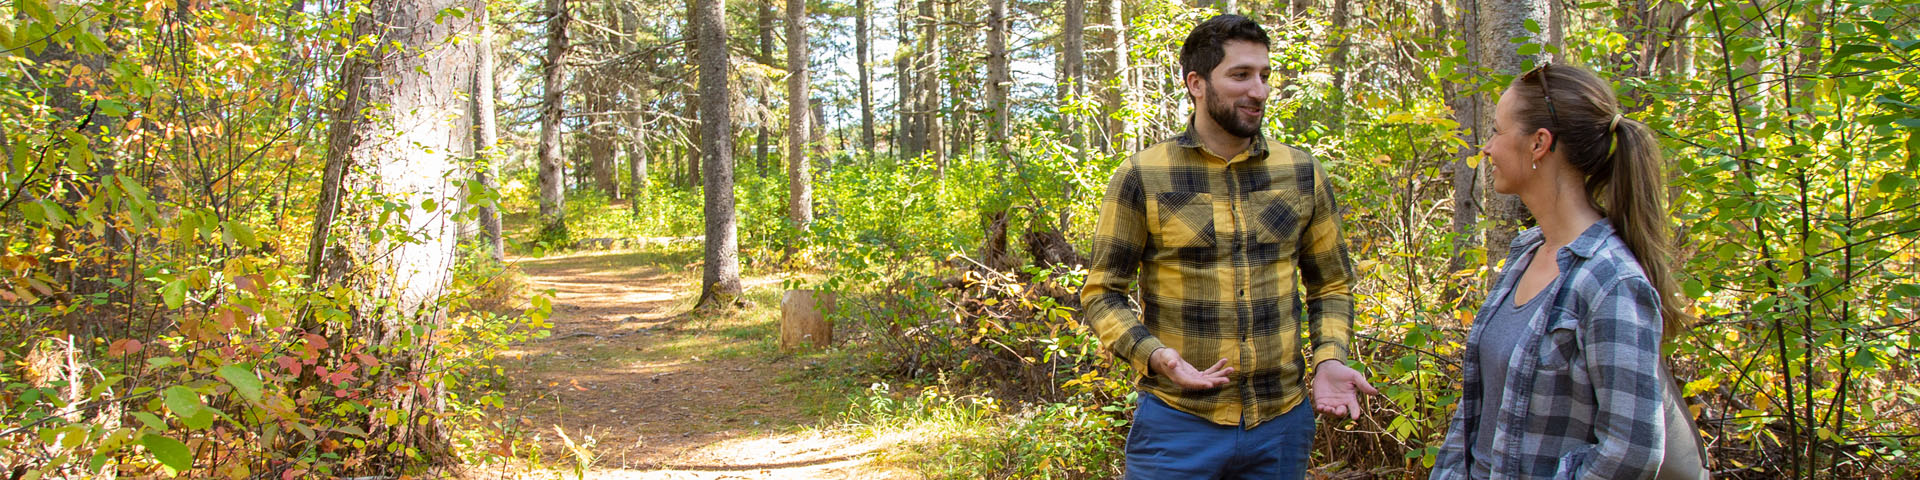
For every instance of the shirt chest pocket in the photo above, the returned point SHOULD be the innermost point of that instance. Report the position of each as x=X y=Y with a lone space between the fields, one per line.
x=1278 y=216
x=1560 y=347
x=1181 y=220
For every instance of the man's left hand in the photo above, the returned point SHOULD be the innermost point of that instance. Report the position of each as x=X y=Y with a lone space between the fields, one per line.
x=1334 y=389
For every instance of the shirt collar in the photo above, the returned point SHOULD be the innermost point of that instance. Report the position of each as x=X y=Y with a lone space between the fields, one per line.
x=1256 y=150
x=1586 y=245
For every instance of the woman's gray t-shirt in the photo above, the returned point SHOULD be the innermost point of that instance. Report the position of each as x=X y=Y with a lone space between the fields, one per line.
x=1503 y=331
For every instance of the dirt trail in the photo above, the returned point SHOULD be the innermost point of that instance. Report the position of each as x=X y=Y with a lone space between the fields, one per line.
x=664 y=394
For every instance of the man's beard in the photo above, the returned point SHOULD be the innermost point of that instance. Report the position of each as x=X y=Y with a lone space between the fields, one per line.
x=1228 y=117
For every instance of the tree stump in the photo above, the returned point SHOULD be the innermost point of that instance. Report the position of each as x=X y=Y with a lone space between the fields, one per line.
x=803 y=319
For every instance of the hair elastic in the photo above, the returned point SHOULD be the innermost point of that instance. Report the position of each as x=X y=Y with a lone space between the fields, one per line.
x=1613 y=131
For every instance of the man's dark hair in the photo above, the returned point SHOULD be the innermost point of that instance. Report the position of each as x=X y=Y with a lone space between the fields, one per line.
x=1206 y=45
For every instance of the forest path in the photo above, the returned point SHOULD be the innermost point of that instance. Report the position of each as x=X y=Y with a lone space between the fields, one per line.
x=662 y=393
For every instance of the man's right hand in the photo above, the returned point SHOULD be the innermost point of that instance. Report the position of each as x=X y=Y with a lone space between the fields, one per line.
x=1167 y=362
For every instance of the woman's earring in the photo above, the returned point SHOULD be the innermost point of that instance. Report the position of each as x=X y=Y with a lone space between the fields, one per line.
x=1536 y=164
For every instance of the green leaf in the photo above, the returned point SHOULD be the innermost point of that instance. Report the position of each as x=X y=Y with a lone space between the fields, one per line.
x=171 y=453
x=150 y=420
x=1864 y=360
x=1693 y=288
x=174 y=293
x=1532 y=25
x=183 y=401
x=1855 y=49
x=1913 y=148
x=242 y=233
x=243 y=381
x=1905 y=290
x=1529 y=49
x=201 y=420
x=79 y=157
x=1889 y=183
x=1891 y=101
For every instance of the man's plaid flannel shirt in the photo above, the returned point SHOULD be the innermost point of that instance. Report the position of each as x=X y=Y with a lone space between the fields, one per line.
x=1215 y=244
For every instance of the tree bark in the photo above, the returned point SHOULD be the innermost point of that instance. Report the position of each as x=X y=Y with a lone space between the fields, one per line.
x=402 y=154
x=799 y=176
x=904 y=65
x=1341 y=40
x=691 y=161
x=1467 y=174
x=998 y=76
x=486 y=134
x=1501 y=20
x=1120 y=90
x=929 y=125
x=553 y=193
x=1073 y=86
x=636 y=139
x=863 y=56
x=766 y=52
x=720 y=282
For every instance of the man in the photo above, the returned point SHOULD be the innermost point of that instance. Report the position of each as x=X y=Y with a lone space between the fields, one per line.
x=1215 y=224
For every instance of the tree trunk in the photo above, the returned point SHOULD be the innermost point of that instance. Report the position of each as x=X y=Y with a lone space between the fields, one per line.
x=1073 y=86
x=929 y=125
x=1501 y=20
x=486 y=134
x=1121 y=89
x=691 y=161
x=799 y=176
x=598 y=138
x=998 y=77
x=638 y=92
x=402 y=153
x=904 y=65
x=863 y=56
x=553 y=193
x=766 y=52
x=720 y=283
x=1467 y=173
x=1341 y=40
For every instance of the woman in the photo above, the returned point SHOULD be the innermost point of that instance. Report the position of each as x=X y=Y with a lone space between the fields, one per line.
x=1563 y=370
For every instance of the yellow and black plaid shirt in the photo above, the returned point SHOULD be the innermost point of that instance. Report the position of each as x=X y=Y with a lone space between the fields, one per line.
x=1214 y=244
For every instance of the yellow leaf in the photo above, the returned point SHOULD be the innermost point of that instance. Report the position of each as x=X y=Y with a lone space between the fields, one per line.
x=1762 y=402
x=1473 y=161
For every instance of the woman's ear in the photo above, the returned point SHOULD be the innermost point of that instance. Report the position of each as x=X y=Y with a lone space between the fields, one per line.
x=1542 y=137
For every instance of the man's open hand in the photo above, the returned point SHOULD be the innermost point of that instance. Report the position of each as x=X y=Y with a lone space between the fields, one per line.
x=1336 y=388
x=1167 y=362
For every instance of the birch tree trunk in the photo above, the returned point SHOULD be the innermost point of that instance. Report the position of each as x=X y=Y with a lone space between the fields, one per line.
x=403 y=149
x=1500 y=21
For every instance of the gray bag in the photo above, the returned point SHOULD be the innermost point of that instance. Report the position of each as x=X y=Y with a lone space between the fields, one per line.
x=1686 y=455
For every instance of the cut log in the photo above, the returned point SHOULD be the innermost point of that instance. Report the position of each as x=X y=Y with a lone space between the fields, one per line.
x=803 y=319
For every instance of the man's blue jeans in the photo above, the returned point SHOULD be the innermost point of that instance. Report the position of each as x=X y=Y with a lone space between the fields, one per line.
x=1170 y=444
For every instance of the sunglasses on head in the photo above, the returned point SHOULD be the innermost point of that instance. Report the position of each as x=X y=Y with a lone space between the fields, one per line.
x=1540 y=72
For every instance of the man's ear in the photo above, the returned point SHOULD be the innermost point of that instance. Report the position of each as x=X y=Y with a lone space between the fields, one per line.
x=1196 y=85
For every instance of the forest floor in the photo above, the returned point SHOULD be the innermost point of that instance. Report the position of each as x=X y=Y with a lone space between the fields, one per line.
x=653 y=391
